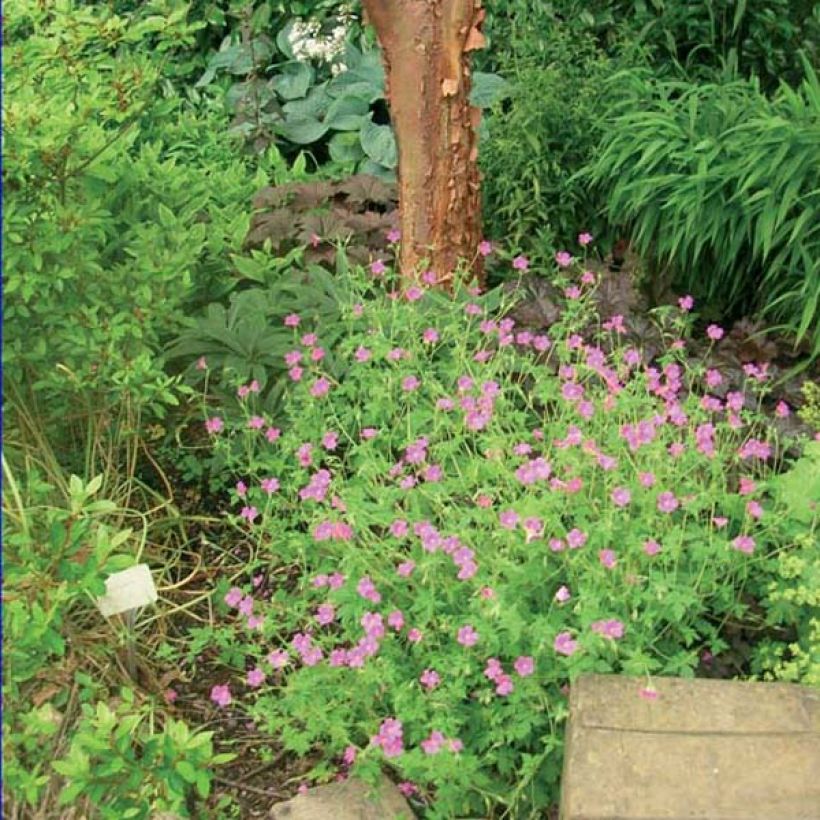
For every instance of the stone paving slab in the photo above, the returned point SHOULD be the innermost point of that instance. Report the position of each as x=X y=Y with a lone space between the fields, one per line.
x=349 y=800
x=700 y=750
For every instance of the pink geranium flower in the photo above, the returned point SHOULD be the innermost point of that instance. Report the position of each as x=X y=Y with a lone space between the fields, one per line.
x=524 y=666
x=576 y=539
x=221 y=695
x=278 y=658
x=564 y=644
x=320 y=387
x=744 y=543
x=467 y=636
x=430 y=679
x=612 y=628
x=214 y=425
x=269 y=485
x=607 y=558
x=249 y=514
x=433 y=744
x=256 y=677
x=621 y=496
x=667 y=503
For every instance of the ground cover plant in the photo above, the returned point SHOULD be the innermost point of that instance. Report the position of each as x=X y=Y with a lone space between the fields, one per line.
x=471 y=515
x=389 y=526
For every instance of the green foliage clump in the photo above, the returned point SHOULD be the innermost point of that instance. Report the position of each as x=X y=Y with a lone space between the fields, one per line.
x=695 y=39
x=461 y=518
x=126 y=767
x=722 y=185
x=810 y=411
x=122 y=205
x=539 y=140
x=58 y=551
x=319 y=89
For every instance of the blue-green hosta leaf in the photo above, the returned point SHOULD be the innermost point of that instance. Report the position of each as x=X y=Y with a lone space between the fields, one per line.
x=293 y=81
x=488 y=89
x=347 y=113
x=314 y=105
x=345 y=147
x=366 y=80
x=238 y=58
x=373 y=169
x=379 y=143
x=301 y=130
x=283 y=40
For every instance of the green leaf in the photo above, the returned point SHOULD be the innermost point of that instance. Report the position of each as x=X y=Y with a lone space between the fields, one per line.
x=347 y=113
x=488 y=89
x=294 y=80
x=301 y=130
x=314 y=105
x=203 y=784
x=345 y=147
x=188 y=772
x=379 y=143
x=166 y=216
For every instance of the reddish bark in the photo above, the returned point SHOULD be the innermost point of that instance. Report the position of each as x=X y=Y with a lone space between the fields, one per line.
x=425 y=47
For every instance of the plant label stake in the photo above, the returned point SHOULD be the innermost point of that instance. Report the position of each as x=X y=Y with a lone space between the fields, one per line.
x=125 y=592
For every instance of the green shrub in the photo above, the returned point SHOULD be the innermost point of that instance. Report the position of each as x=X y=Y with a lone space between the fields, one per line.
x=530 y=527
x=722 y=185
x=123 y=766
x=696 y=39
x=537 y=142
x=61 y=541
x=122 y=206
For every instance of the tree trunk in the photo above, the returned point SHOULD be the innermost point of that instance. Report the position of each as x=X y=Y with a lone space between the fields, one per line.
x=425 y=47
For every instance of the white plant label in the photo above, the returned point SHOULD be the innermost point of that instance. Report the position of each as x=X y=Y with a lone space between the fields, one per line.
x=133 y=587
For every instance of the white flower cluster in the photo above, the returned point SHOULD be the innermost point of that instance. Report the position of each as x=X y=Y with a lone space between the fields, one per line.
x=308 y=42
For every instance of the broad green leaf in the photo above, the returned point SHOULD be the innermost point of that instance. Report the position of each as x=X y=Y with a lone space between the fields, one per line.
x=345 y=147
x=301 y=130
x=347 y=113
x=379 y=143
x=488 y=89
x=293 y=81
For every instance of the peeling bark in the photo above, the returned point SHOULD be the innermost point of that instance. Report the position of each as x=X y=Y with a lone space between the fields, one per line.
x=426 y=47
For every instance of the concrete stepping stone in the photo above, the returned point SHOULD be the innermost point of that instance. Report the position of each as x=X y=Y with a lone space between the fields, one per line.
x=695 y=749
x=349 y=800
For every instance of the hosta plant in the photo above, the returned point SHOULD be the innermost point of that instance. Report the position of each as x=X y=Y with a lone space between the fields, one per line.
x=445 y=537
x=305 y=88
